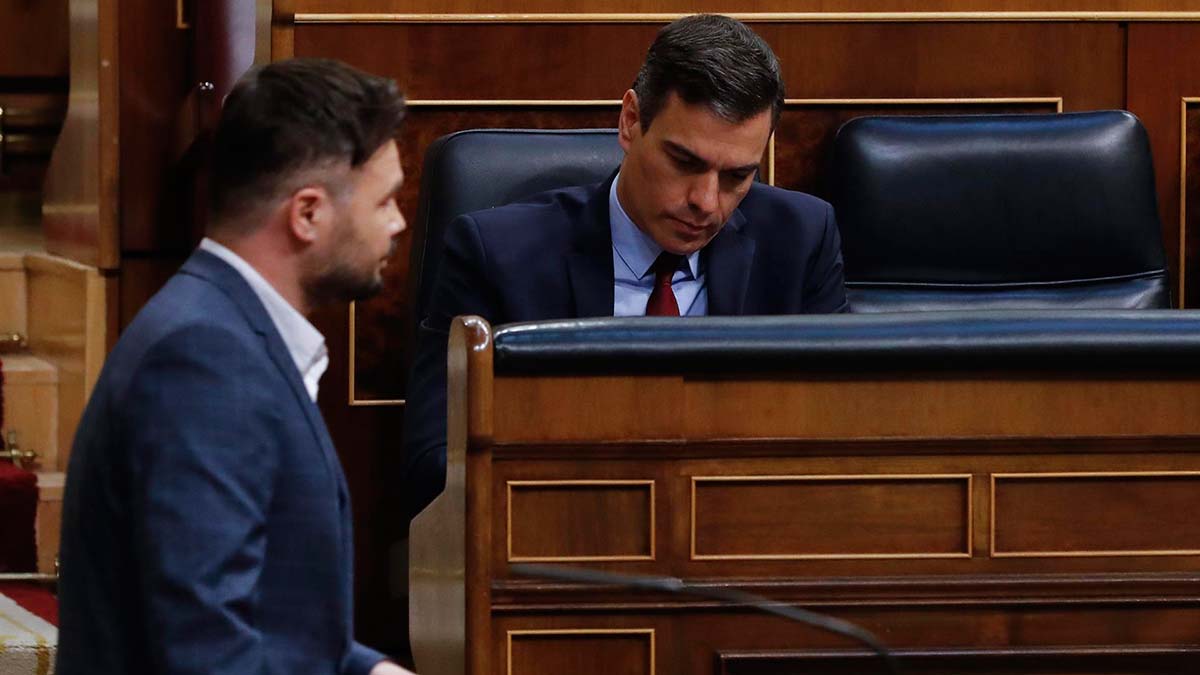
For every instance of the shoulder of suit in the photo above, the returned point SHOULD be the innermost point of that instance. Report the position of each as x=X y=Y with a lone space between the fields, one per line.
x=761 y=193
x=566 y=202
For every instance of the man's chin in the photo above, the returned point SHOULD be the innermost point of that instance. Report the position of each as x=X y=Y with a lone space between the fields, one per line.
x=339 y=289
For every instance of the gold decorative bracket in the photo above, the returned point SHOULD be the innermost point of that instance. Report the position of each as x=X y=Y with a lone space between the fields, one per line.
x=11 y=451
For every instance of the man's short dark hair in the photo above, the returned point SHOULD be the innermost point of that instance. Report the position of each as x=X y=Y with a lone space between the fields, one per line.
x=286 y=118
x=712 y=60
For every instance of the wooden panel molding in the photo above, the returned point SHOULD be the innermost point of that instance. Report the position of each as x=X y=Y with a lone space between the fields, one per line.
x=1189 y=184
x=580 y=520
x=1126 y=660
x=581 y=651
x=831 y=517
x=1092 y=514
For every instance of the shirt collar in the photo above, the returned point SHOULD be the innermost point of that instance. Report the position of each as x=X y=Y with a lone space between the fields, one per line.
x=304 y=342
x=634 y=247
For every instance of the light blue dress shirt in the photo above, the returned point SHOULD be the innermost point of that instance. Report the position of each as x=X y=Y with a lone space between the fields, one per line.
x=634 y=252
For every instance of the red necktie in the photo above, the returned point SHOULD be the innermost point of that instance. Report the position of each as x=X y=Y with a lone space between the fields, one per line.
x=662 y=299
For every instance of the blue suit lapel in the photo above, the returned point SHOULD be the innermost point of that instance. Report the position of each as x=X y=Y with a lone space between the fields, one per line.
x=729 y=256
x=209 y=267
x=590 y=265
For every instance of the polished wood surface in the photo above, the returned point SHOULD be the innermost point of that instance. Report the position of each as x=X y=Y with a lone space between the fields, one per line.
x=580 y=651
x=796 y=517
x=1158 y=81
x=580 y=521
x=71 y=328
x=1106 y=514
x=12 y=294
x=1038 y=546
x=34 y=44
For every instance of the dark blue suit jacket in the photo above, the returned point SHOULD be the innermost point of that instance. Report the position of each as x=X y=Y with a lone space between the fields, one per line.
x=206 y=522
x=551 y=258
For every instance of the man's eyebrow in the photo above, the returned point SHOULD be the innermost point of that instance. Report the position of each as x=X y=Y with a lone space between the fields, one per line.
x=687 y=154
x=690 y=156
x=396 y=188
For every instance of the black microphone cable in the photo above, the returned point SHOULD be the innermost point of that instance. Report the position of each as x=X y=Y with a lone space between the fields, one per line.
x=679 y=586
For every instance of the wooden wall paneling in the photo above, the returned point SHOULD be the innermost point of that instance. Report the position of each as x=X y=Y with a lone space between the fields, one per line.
x=692 y=638
x=456 y=61
x=35 y=38
x=1078 y=514
x=580 y=650
x=912 y=405
x=72 y=328
x=1081 y=62
x=155 y=79
x=80 y=215
x=1189 y=208
x=579 y=520
x=1007 y=661
x=803 y=517
x=1160 y=78
x=894 y=511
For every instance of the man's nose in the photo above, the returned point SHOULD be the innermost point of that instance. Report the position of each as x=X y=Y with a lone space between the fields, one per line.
x=398 y=223
x=702 y=198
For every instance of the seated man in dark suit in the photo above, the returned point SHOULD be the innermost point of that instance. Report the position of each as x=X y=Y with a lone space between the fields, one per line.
x=681 y=229
x=206 y=520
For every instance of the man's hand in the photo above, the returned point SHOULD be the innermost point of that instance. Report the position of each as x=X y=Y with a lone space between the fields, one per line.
x=389 y=668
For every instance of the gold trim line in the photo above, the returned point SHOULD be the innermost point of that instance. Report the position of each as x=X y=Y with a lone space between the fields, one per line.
x=747 y=17
x=352 y=364
x=1183 y=162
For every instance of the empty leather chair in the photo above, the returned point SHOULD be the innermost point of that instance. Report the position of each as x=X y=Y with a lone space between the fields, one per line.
x=999 y=211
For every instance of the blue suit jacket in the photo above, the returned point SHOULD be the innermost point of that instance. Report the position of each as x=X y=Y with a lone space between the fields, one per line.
x=206 y=522
x=551 y=258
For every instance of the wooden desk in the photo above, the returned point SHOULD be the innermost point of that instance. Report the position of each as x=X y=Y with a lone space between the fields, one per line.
x=987 y=521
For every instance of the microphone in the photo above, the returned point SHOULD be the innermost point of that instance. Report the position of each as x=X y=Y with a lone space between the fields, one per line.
x=679 y=586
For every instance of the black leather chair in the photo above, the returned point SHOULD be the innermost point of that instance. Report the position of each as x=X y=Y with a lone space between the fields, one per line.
x=483 y=168
x=999 y=211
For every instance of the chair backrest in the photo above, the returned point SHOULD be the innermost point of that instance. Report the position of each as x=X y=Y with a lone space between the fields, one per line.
x=999 y=211
x=482 y=168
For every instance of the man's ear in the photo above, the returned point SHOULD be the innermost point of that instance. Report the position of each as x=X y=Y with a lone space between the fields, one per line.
x=629 y=125
x=309 y=211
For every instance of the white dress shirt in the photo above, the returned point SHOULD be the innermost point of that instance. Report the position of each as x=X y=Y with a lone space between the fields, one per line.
x=304 y=342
